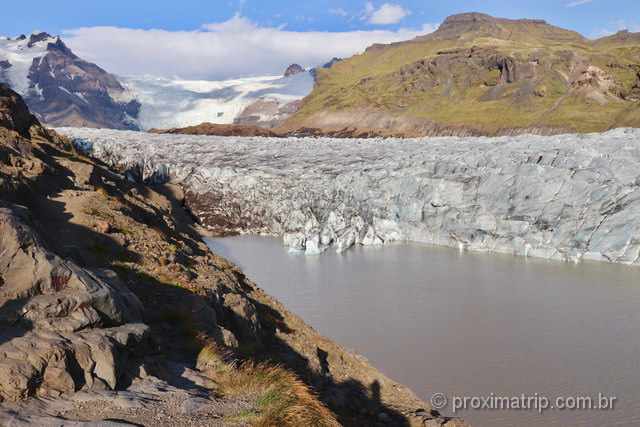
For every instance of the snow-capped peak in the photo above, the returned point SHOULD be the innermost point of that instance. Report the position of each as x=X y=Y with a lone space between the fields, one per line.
x=51 y=78
x=39 y=37
x=18 y=55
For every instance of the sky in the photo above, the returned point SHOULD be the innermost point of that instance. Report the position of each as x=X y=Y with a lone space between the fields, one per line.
x=223 y=39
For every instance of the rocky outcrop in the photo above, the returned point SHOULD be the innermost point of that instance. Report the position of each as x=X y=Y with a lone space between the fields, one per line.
x=292 y=70
x=62 y=89
x=299 y=132
x=222 y=130
x=48 y=363
x=37 y=36
x=14 y=114
x=267 y=112
x=62 y=327
x=42 y=291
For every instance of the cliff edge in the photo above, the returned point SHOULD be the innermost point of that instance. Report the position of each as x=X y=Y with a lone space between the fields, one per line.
x=113 y=309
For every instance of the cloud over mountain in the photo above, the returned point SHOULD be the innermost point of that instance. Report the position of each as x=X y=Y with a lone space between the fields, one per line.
x=233 y=48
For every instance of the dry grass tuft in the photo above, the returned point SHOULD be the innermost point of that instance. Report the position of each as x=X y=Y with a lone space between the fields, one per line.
x=281 y=399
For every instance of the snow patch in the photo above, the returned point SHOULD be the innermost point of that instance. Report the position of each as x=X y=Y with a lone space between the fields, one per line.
x=21 y=59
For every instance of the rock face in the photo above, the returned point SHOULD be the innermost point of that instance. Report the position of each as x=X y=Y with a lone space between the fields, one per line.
x=62 y=89
x=14 y=114
x=42 y=291
x=267 y=112
x=562 y=197
x=480 y=75
x=293 y=69
x=62 y=327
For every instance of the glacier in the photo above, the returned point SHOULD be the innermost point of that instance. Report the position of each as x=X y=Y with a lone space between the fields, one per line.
x=175 y=103
x=165 y=102
x=20 y=56
x=565 y=197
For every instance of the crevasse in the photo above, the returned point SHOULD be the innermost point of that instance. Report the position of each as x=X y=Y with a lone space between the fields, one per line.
x=566 y=197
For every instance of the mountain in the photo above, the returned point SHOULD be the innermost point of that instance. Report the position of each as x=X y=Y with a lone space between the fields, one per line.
x=480 y=75
x=293 y=69
x=62 y=89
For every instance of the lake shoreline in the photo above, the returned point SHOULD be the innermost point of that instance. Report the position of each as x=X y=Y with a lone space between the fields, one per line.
x=525 y=323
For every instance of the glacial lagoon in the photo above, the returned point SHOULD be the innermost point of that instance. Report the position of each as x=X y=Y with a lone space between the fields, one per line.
x=471 y=324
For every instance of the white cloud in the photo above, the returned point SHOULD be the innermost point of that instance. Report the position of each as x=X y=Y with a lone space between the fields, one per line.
x=339 y=11
x=368 y=8
x=603 y=32
x=235 y=48
x=613 y=27
x=579 y=3
x=387 y=14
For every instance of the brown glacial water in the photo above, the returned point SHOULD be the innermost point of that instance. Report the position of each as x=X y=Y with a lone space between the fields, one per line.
x=468 y=324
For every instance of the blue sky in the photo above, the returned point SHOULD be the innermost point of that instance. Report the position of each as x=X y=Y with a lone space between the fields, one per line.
x=248 y=37
x=326 y=15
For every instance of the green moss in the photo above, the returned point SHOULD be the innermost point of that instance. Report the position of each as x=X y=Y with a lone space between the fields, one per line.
x=94 y=212
x=124 y=231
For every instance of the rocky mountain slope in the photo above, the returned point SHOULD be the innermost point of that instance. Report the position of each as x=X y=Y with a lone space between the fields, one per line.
x=564 y=197
x=207 y=128
x=112 y=309
x=62 y=89
x=479 y=75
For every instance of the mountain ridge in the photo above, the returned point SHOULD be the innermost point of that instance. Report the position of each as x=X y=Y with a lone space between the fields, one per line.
x=484 y=75
x=64 y=90
x=61 y=88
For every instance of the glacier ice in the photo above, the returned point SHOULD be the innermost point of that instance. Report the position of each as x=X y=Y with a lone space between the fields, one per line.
x=20 y=56
x=180 y=103
x=565 y=197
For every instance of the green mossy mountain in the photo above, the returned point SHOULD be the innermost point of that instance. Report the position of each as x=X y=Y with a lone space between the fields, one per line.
x=479 y=75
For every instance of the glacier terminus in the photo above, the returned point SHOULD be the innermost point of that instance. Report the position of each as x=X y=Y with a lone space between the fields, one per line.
x=564 y=197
